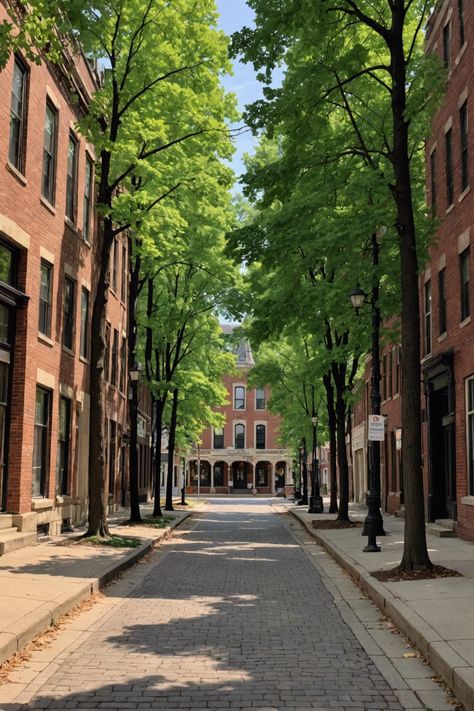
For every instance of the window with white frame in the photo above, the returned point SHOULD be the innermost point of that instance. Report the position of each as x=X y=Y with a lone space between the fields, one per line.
x=239 y=397
x=260 y=437
x=239 y=436
x=218 y=438
x=260 y=398
x=470 y=432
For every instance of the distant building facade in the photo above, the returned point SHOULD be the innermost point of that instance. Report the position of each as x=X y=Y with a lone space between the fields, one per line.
x=242 y=457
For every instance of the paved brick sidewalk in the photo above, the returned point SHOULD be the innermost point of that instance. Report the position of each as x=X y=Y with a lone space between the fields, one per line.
x=234 y=616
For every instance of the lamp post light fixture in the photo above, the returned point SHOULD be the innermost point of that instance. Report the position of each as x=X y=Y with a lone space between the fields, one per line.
x=373 y=525
x=316 y=500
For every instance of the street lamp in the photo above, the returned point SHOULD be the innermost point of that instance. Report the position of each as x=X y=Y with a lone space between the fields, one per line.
x=134 y=374
x=316 y=500
x=373 y=525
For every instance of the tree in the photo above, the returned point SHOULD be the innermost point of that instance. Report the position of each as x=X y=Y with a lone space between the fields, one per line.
x=362 y=64
x=161 y=104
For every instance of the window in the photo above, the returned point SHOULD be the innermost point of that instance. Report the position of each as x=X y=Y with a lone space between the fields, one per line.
x=442 y=300
x=390 y=374
x=260 y=437
x=123 y=286
x=384 y=376
x=71 y=180
x=123 y=365
x=239 y=398
x=433 y=181
x=218 y=475
x=218 y=438
x=462 y=37
x=49 y=153
x=114 y=369
x=7 y=265
x=64 y=433
x=464 y=274
x=470 y=432
x=261 y=475
x=44 y=324
x=41 y=442
x=107 y=353
x=84 y=322
x=449 y=167
x=68 y=321
x=464 y=149
x=398 y=363
x=88 y=186
x=260 y=399
x=17 y=144
x=115 y=258
x=447 y=45
x=427 y=317
x=239 y=436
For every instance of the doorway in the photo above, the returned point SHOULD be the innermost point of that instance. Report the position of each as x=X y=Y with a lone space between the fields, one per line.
x=239 y=472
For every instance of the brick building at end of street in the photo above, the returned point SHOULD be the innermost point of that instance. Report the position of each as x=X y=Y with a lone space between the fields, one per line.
x=244 y=455
x=446 y=306
x=48 y=262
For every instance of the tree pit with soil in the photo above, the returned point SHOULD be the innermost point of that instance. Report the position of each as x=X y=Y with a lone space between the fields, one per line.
x=397 y=575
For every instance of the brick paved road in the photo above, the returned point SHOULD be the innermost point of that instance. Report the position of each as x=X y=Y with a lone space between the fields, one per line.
x=234 y=616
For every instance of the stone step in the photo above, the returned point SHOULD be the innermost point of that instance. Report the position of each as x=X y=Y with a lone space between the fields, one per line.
x=5 y=520
x=13 y=540
x=446 y=523
x=434 y=529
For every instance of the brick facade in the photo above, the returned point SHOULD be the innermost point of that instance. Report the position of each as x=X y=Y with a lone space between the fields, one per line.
x=446 y=298
x=246 y=457
x=44 y=347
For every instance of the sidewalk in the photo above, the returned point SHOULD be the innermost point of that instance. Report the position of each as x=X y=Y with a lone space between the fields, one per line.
x=39 y=584
x=437 y=615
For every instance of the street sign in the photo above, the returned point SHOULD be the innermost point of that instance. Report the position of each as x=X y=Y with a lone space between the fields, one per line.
x=376 y=428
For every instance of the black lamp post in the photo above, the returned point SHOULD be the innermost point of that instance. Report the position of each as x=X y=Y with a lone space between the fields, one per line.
x=316 y=500
x=373 y=525
x=134 y=374
x=304 y=478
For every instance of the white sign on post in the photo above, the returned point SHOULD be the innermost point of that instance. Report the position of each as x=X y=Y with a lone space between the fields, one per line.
x=376 y=428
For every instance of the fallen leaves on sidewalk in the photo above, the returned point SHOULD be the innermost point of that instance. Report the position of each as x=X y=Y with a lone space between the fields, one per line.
x=328 y=524
x=396 y=575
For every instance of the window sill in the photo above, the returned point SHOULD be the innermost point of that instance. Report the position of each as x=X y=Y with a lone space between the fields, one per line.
x=73 y=227
x=465 y=192
x=64 y=499
x=45 y=339
x=426 y=357
x=460 y=54
x=84 y=360
x=16 y=173
x=67 y=350
x=396 y=396
x=48 y=205
x=467 y=500
x=465 y=322
x=450 y=208
x=40 y=504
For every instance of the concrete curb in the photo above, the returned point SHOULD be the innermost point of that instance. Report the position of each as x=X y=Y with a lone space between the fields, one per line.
x=20 y=633
x=454 y=670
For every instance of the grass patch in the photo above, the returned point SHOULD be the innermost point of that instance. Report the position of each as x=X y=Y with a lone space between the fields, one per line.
x=160 y=522
x=114 y=541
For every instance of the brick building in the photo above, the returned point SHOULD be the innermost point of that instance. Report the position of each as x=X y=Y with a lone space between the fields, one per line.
x=244 y=455
x=446 y=301
x=48 y=249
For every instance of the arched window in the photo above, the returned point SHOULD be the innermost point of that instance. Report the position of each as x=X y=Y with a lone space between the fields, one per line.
x=260 y=437
x=260 y=398
x=240 y=436
x=239 y=397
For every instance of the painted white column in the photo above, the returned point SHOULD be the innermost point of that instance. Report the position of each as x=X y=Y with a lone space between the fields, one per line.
x=213 y=489
x=273 y=478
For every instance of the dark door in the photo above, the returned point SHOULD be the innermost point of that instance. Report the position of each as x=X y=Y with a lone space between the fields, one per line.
x=240 y=476
x=442 y=453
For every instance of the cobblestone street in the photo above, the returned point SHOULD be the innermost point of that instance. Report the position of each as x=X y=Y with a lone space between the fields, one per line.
x=230 y=614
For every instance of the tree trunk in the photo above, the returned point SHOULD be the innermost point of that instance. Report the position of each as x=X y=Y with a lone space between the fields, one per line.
x=159 y=406
x=339 y=377
x=415 y=552
x=171 y=443
x=333 y=507
x=98 y=494
x=135 y=516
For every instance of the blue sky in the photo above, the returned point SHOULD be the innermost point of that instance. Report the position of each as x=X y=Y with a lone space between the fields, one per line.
x=234 y=14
